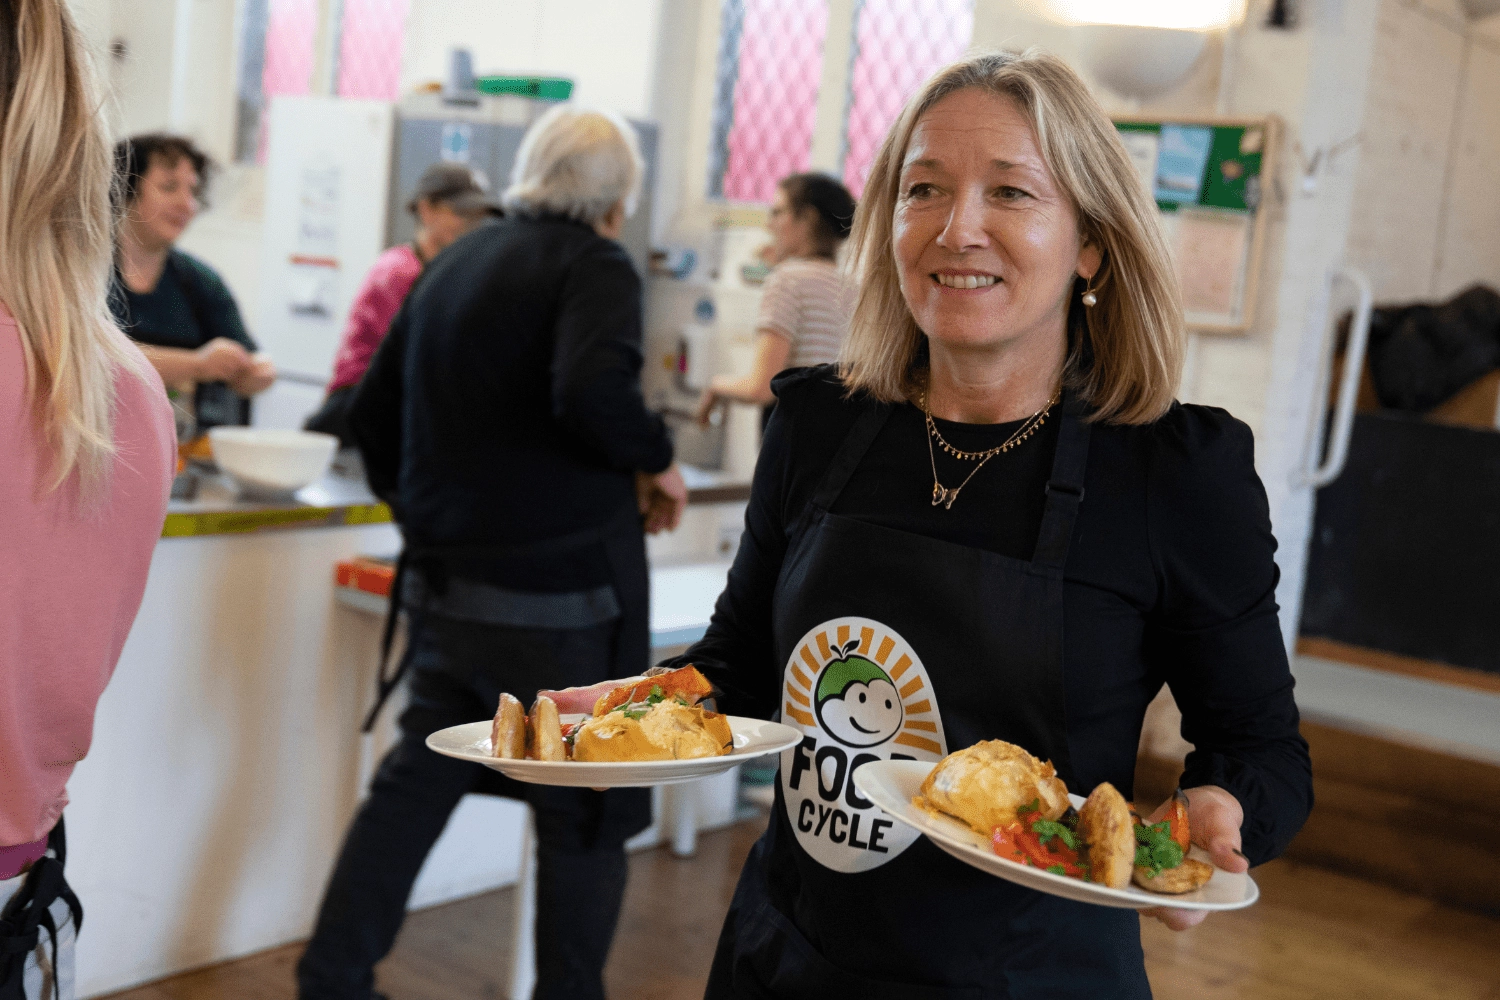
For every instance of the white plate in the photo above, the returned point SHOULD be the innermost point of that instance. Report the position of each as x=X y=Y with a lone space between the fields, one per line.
x=752 y=738
x=890 y=784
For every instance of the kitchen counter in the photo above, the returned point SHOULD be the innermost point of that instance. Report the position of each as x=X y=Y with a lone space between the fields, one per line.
x=231 y=728
x=339 y=499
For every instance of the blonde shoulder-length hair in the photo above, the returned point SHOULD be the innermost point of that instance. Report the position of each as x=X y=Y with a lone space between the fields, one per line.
x=56 y=169
x=1136 y=330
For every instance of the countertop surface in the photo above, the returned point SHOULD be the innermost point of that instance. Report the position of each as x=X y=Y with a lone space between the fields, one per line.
x=217 y=507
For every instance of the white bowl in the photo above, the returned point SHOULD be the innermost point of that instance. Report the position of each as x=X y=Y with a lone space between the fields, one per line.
x=274 y=460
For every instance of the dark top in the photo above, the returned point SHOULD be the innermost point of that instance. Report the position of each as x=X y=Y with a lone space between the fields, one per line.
x=1170 y=579
x=505 y=406
x=189 y=306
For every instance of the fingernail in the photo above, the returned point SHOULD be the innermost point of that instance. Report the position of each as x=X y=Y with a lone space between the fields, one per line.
x=1239 y=852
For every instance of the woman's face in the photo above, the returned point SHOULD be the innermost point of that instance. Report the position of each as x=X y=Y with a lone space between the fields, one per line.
x=166 y=200
x=986 y=243
x=791 y=231
x=441 y=223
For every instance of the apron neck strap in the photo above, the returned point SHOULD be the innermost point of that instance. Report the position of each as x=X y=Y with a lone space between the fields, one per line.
x=848 y=457
x=1064 y=489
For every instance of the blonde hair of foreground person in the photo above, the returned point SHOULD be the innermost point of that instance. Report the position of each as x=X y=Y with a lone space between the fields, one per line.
x=578 y=163
x=56 y=168
x=1136 y=328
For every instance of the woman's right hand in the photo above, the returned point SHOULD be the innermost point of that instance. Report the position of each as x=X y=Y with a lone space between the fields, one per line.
x=220 y=360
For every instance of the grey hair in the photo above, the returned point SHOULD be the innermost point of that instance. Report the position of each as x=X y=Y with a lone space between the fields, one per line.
x=576 y=162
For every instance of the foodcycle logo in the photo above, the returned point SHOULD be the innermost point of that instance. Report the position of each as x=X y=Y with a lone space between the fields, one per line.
x=859 y=693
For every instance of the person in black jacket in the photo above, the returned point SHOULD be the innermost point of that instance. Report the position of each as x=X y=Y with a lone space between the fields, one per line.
x=503 y=421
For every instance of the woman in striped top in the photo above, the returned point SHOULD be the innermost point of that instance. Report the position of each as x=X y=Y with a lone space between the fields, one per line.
x=804 y=311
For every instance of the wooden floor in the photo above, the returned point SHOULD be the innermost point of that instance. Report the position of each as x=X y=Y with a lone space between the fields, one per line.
x=1314 y=935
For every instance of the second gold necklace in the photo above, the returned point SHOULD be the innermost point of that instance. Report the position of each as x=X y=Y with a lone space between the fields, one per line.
x=942 y=495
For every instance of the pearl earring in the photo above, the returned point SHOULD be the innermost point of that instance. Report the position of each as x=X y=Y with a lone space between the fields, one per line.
x=1089 y=298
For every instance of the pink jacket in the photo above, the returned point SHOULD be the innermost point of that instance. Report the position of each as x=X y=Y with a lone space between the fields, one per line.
x=375 y=305
x=70 y=584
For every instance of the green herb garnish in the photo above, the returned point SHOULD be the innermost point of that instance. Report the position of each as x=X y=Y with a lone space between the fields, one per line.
x=655 y=695
x=1047 y=829
x=1156 y=850
x=1057 y=869
x=1035 y=807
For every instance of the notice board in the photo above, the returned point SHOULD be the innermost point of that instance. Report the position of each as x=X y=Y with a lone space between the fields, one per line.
x=1208 y=177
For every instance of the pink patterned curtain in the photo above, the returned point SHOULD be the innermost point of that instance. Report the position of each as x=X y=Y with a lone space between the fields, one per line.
x=370 y=45
x=775 y=102
x=898 y=45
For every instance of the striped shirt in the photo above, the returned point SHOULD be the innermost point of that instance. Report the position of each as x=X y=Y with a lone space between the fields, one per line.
x=808 y=301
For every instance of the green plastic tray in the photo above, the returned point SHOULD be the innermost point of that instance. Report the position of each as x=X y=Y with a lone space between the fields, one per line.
x=545 y=88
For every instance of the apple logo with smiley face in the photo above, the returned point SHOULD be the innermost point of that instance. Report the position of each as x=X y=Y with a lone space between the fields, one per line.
x=857 y=702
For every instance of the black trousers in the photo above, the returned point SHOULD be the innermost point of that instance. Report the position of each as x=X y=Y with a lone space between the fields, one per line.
x=457 y=673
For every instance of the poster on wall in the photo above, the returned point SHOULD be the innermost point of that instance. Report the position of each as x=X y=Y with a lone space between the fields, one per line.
x=1205 y=176
x=327 y=191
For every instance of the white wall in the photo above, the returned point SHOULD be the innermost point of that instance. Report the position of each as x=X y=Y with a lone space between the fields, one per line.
x=606 y=46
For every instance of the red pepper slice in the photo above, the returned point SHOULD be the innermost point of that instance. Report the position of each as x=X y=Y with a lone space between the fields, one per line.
x=1003 y=840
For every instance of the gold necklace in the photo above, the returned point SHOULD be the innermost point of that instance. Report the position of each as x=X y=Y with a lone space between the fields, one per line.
x=942 y=494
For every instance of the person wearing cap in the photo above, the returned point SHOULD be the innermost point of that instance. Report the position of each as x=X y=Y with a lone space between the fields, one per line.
x=805 y=308
x=448 y=201
x=173 y=305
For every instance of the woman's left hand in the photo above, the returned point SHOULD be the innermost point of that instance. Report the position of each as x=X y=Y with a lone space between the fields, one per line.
x=1214 y=818
x=255 y=379
x=706 y=405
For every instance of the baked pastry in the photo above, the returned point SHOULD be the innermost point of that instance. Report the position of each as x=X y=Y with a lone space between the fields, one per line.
x=666 y=730
x=1191 y=874
x=508 y=733
x=544 y=739
x=984 y=785
x=1108 y=831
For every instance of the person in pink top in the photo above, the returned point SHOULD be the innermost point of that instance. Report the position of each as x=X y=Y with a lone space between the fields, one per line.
x=88 y=451
x=448 y=202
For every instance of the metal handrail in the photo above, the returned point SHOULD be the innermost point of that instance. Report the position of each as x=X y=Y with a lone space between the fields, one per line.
x=1319 y=470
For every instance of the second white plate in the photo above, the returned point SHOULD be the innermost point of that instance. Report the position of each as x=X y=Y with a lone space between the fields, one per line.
x=752 y=738
x=891 y=784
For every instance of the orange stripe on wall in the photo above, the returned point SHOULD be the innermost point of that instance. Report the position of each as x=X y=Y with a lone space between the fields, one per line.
x=918 y=707
x=823 y=646
x=798 y=696
x=865 y=635
x=843 y=635
x=900 y=667
x=886 y=645
x=806 y=719
x=922 y=724
x=911 y=688
x=920 y=742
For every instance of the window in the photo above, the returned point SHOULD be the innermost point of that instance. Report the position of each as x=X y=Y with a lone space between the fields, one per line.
x=898 y=44
x=279 y=56
x=276 y=57
x=765 y=94
x=771 y=63
x=370 y=37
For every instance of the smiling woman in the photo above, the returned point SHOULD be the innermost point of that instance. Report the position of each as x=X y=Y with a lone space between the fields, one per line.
x=1018 y=327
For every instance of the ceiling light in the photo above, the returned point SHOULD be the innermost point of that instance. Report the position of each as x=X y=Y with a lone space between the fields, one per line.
x=1184 y=15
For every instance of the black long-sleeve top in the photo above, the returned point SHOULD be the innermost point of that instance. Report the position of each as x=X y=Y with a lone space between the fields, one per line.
x=505 y=407
x=1170 y=579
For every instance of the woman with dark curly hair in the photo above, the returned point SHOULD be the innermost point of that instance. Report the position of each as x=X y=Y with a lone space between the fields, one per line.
x=170 y=302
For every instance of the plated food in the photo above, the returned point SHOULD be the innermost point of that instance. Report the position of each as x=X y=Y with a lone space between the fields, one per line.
x=654 y=717
x=1017 y=801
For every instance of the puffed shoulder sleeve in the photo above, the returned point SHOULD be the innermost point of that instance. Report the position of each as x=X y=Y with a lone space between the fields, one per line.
x=1215 y=631
x=737 y=653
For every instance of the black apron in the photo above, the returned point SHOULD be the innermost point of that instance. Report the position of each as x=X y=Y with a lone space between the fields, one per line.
x=900 y=645
x=28 y=915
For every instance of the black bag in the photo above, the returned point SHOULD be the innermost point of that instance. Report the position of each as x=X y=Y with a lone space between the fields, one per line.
x=29 y=912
